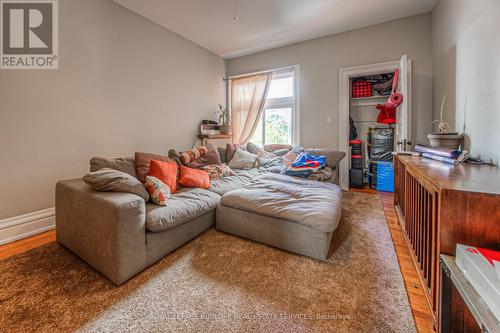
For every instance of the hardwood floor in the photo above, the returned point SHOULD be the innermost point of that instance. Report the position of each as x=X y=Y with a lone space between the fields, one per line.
x=26 y=244
x=418 y=303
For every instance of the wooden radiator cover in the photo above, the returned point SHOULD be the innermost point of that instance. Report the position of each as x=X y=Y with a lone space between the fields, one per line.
x=440 y=205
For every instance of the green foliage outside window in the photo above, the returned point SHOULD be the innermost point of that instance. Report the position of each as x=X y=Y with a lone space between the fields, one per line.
x=277 y=129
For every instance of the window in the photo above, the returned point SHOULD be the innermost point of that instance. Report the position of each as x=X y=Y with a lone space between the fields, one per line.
x=277 y=121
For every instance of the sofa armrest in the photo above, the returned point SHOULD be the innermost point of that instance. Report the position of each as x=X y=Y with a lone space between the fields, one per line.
x=106 y=229
x=333 y=157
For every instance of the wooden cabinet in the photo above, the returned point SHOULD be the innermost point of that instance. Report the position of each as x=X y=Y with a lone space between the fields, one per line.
x=218 y=140
x=440 y=205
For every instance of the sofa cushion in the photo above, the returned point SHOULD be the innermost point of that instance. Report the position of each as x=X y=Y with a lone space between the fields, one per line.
x=123 y=164
x=222 y=154
x=142 y=161
x=182 y=206
x=197 y=157
x=274 y=147
x=218 y=171
x=226 y=184
x=242 y=159
x=110 y=180
x=159 y=192
x=190 y=177
x=231 y=149
x=192 y=154
x=166 y=171
x=311 y=203
x=252 y=148
x=289 y=158
x=211 y=157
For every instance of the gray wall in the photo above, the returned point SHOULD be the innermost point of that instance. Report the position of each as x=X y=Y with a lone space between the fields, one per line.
x=321 y=59
x=124 y=84
x=466 y=62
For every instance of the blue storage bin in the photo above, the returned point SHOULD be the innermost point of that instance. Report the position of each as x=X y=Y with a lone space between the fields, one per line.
x=385 y=176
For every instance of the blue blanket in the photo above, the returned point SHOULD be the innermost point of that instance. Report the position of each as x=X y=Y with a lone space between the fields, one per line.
x=305 y=164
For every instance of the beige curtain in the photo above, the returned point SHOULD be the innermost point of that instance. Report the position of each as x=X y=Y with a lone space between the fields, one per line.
x=248 y=96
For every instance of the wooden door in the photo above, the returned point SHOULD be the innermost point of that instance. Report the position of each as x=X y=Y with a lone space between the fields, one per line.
x=403 y=115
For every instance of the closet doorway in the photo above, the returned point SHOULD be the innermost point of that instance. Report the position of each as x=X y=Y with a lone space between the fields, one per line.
x=402 y=127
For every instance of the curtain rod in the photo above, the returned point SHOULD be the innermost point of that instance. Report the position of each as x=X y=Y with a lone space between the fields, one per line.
x=277 y=70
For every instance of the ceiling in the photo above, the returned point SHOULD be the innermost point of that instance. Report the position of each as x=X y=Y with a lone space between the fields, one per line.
x=265 y=24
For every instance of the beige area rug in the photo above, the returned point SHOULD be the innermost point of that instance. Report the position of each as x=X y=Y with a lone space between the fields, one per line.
x=220 y=283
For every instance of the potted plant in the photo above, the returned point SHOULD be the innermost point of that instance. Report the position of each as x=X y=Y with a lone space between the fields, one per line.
x=444 y=139
x=224 y=120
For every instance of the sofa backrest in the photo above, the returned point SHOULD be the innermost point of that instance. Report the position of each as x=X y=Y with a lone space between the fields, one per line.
x=123 y=164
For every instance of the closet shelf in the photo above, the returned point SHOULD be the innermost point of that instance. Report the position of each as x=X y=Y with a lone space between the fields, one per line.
x=368 y=101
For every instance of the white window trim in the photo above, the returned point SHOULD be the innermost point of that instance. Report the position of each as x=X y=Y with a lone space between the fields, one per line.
x=286 y=102
x=296 y=138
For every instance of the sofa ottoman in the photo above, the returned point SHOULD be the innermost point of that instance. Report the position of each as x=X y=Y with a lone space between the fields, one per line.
x=286 y=212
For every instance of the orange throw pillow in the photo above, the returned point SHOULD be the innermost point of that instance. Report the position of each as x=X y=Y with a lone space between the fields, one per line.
x=166 y=172
x=194 y=178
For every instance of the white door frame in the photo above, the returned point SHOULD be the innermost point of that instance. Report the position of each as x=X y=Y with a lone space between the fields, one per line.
x=344 y=94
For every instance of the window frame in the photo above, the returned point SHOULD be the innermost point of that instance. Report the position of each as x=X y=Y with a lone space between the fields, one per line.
x=282 y=103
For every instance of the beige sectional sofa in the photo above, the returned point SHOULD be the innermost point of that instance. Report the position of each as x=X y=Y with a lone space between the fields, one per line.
x=119 y=234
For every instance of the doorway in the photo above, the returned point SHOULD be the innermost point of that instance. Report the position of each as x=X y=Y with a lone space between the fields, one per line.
x=402 y=128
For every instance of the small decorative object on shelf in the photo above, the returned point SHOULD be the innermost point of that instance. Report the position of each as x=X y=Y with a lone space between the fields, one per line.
x=444 y=139
x=224 y=120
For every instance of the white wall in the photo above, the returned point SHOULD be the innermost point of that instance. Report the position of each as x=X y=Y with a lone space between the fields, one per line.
x=124 y=84
x=466 y=62
x=320 y=60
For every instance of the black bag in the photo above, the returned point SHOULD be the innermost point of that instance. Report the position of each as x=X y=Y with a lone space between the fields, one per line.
x=381 y=144
x=353 y=134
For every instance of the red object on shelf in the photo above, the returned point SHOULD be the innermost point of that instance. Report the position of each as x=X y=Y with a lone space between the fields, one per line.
x=356 y=156
x=361 y=89
x=387 y=113
x=354 y=142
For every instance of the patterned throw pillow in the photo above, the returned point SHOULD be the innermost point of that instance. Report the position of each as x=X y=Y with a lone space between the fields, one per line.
x=226 y=170
x=158 y=191
x=192 y=154
x=217 y=171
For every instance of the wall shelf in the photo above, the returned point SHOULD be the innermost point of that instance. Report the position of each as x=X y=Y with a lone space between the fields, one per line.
x=214 y=136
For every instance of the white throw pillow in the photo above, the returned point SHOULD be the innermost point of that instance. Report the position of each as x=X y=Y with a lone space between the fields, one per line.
x=242 y=160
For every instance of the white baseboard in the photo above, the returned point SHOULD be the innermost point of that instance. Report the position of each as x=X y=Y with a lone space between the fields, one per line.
x=26 y=225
